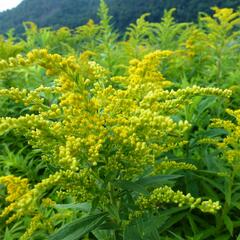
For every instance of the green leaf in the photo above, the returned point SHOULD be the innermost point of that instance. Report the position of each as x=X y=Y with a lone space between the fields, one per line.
x=215 y=132
x=154 y=235
x=193 y=225
x=176 y=236
x=143 y=228
x=213 y=183
x=172 y=211
x=132 y=186
x=108 y=225
x=236 y=204
x=228 y=190
x=174 y=219
x=132 y=233
x=147 y=226
x=238 y=238
x=158 y=180
x=208 y=172
x=85 y=207
x=208 y=189
x=104 y=234
x=211 y=231
x=228 y=223
x=79 y=227
x=223 y=237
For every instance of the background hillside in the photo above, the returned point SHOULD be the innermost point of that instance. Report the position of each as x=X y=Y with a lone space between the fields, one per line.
x=72 y=13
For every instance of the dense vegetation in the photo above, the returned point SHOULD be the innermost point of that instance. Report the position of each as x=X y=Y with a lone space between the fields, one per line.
x=135 y=137
x=73 y=13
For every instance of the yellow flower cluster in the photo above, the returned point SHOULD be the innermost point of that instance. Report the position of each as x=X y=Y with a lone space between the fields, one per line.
x=145 y=72
x=97 y=70
x=16 y=187
x=165 y=195
x=230 y=144
x=40 y=222
x=34 y=225
x=31 y=99
x=167 y=165
x=226 y=15
x=9 y=48
x=24 y=200
x=93 y=131
x=14 y=93
x=194 y=42
x=172 y=101
x=225 y=19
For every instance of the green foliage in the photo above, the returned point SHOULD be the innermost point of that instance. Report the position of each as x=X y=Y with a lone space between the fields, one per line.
x=8 y=48
x=167 y=33
x=79 y=227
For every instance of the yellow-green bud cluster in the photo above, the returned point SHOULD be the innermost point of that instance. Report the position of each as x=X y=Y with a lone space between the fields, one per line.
x=165 y=165
x=23 y=200
x=16 y=187
x=165 y=195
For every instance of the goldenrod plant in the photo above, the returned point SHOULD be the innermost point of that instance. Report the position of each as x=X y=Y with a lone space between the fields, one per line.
x=95 y=137
x=8 y=47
